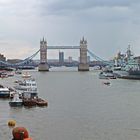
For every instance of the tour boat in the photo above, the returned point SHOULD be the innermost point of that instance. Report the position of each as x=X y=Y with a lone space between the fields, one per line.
x=16 y=101
x=27 y=87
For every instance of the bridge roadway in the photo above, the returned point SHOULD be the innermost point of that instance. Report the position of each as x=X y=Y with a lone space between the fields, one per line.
x=63 y=47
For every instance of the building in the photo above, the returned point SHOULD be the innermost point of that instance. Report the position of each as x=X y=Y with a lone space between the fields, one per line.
x=14 y=61
x=61 y=57
x=70 y=59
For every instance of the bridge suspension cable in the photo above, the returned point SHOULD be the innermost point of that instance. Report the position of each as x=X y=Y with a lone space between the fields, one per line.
x=99 y=59
x=27 y=59
x=21 y=62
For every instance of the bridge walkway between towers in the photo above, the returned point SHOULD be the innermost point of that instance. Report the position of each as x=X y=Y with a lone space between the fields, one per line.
x=63 y=47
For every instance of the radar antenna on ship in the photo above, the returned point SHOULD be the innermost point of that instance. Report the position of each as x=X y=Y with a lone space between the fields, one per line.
x=129 y=52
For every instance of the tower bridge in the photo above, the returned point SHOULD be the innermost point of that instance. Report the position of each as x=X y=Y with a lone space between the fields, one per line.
x=43 y=65
x=83 y=65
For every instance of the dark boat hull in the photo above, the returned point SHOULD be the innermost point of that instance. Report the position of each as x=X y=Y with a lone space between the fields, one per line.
x=4 y=95
x=132 y=77
x=135 y=73
x=15 y=104
x=29 y=102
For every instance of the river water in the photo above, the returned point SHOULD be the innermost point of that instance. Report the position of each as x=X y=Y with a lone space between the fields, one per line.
x=80 y=107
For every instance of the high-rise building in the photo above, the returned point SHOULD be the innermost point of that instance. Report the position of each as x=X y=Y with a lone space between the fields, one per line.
x=61 y=57
x=70 y=59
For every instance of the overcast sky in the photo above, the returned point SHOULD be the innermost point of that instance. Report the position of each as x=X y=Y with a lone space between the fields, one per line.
x=108 y=25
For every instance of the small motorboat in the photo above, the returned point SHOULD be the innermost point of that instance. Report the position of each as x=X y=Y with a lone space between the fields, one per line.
x=106 y=83
x=107 y=74
x=41 y=102
x=26 y=75
x=4 y=92
x=18 y=71
x=16 y=101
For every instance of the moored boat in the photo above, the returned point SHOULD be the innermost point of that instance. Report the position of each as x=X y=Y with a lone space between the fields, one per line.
x=3 y=74
x=18 y=71
x=107 y=74
x=41 y=102
x=26 y=75
x=12 y=94
x=4 y=92
x=16 y=101
x=27 y=87
x=29 y=102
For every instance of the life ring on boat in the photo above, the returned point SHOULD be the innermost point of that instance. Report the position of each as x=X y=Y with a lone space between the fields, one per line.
x=20 y=133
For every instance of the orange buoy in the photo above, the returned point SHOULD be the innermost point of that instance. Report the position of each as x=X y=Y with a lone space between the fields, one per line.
x=11 y=123
x=20 y=133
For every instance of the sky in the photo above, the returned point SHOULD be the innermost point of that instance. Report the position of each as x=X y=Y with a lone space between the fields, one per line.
x=108 y=25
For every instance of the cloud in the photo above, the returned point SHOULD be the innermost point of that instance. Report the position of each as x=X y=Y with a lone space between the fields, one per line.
x=18 y=8
x=67 y=6
x=13 y=49
x=108 y=24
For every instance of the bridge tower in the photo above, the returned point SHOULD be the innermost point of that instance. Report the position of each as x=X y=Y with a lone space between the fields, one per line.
x=43 y=66
x=83 y=66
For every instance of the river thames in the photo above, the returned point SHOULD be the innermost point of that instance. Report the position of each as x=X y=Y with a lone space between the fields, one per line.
x=80 y=107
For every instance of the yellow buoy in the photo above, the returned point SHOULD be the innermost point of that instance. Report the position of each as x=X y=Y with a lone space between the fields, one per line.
x=11 y=123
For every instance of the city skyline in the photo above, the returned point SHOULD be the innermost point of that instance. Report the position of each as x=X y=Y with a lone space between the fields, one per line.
x=109 y=26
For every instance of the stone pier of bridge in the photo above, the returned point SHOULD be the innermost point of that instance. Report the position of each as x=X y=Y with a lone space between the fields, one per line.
x=83 y=65
x=43 y=65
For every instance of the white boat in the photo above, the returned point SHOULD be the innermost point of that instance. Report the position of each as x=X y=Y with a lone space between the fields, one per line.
x=107 y=74
x=4 y=92
x=116 y=68
x=13 y=92
x=27 y=87
x=18 y=71
x=26 y=75
x=9 y=74
x=16 y=101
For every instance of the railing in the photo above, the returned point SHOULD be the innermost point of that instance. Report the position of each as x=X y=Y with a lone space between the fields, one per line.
x=63 y=47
